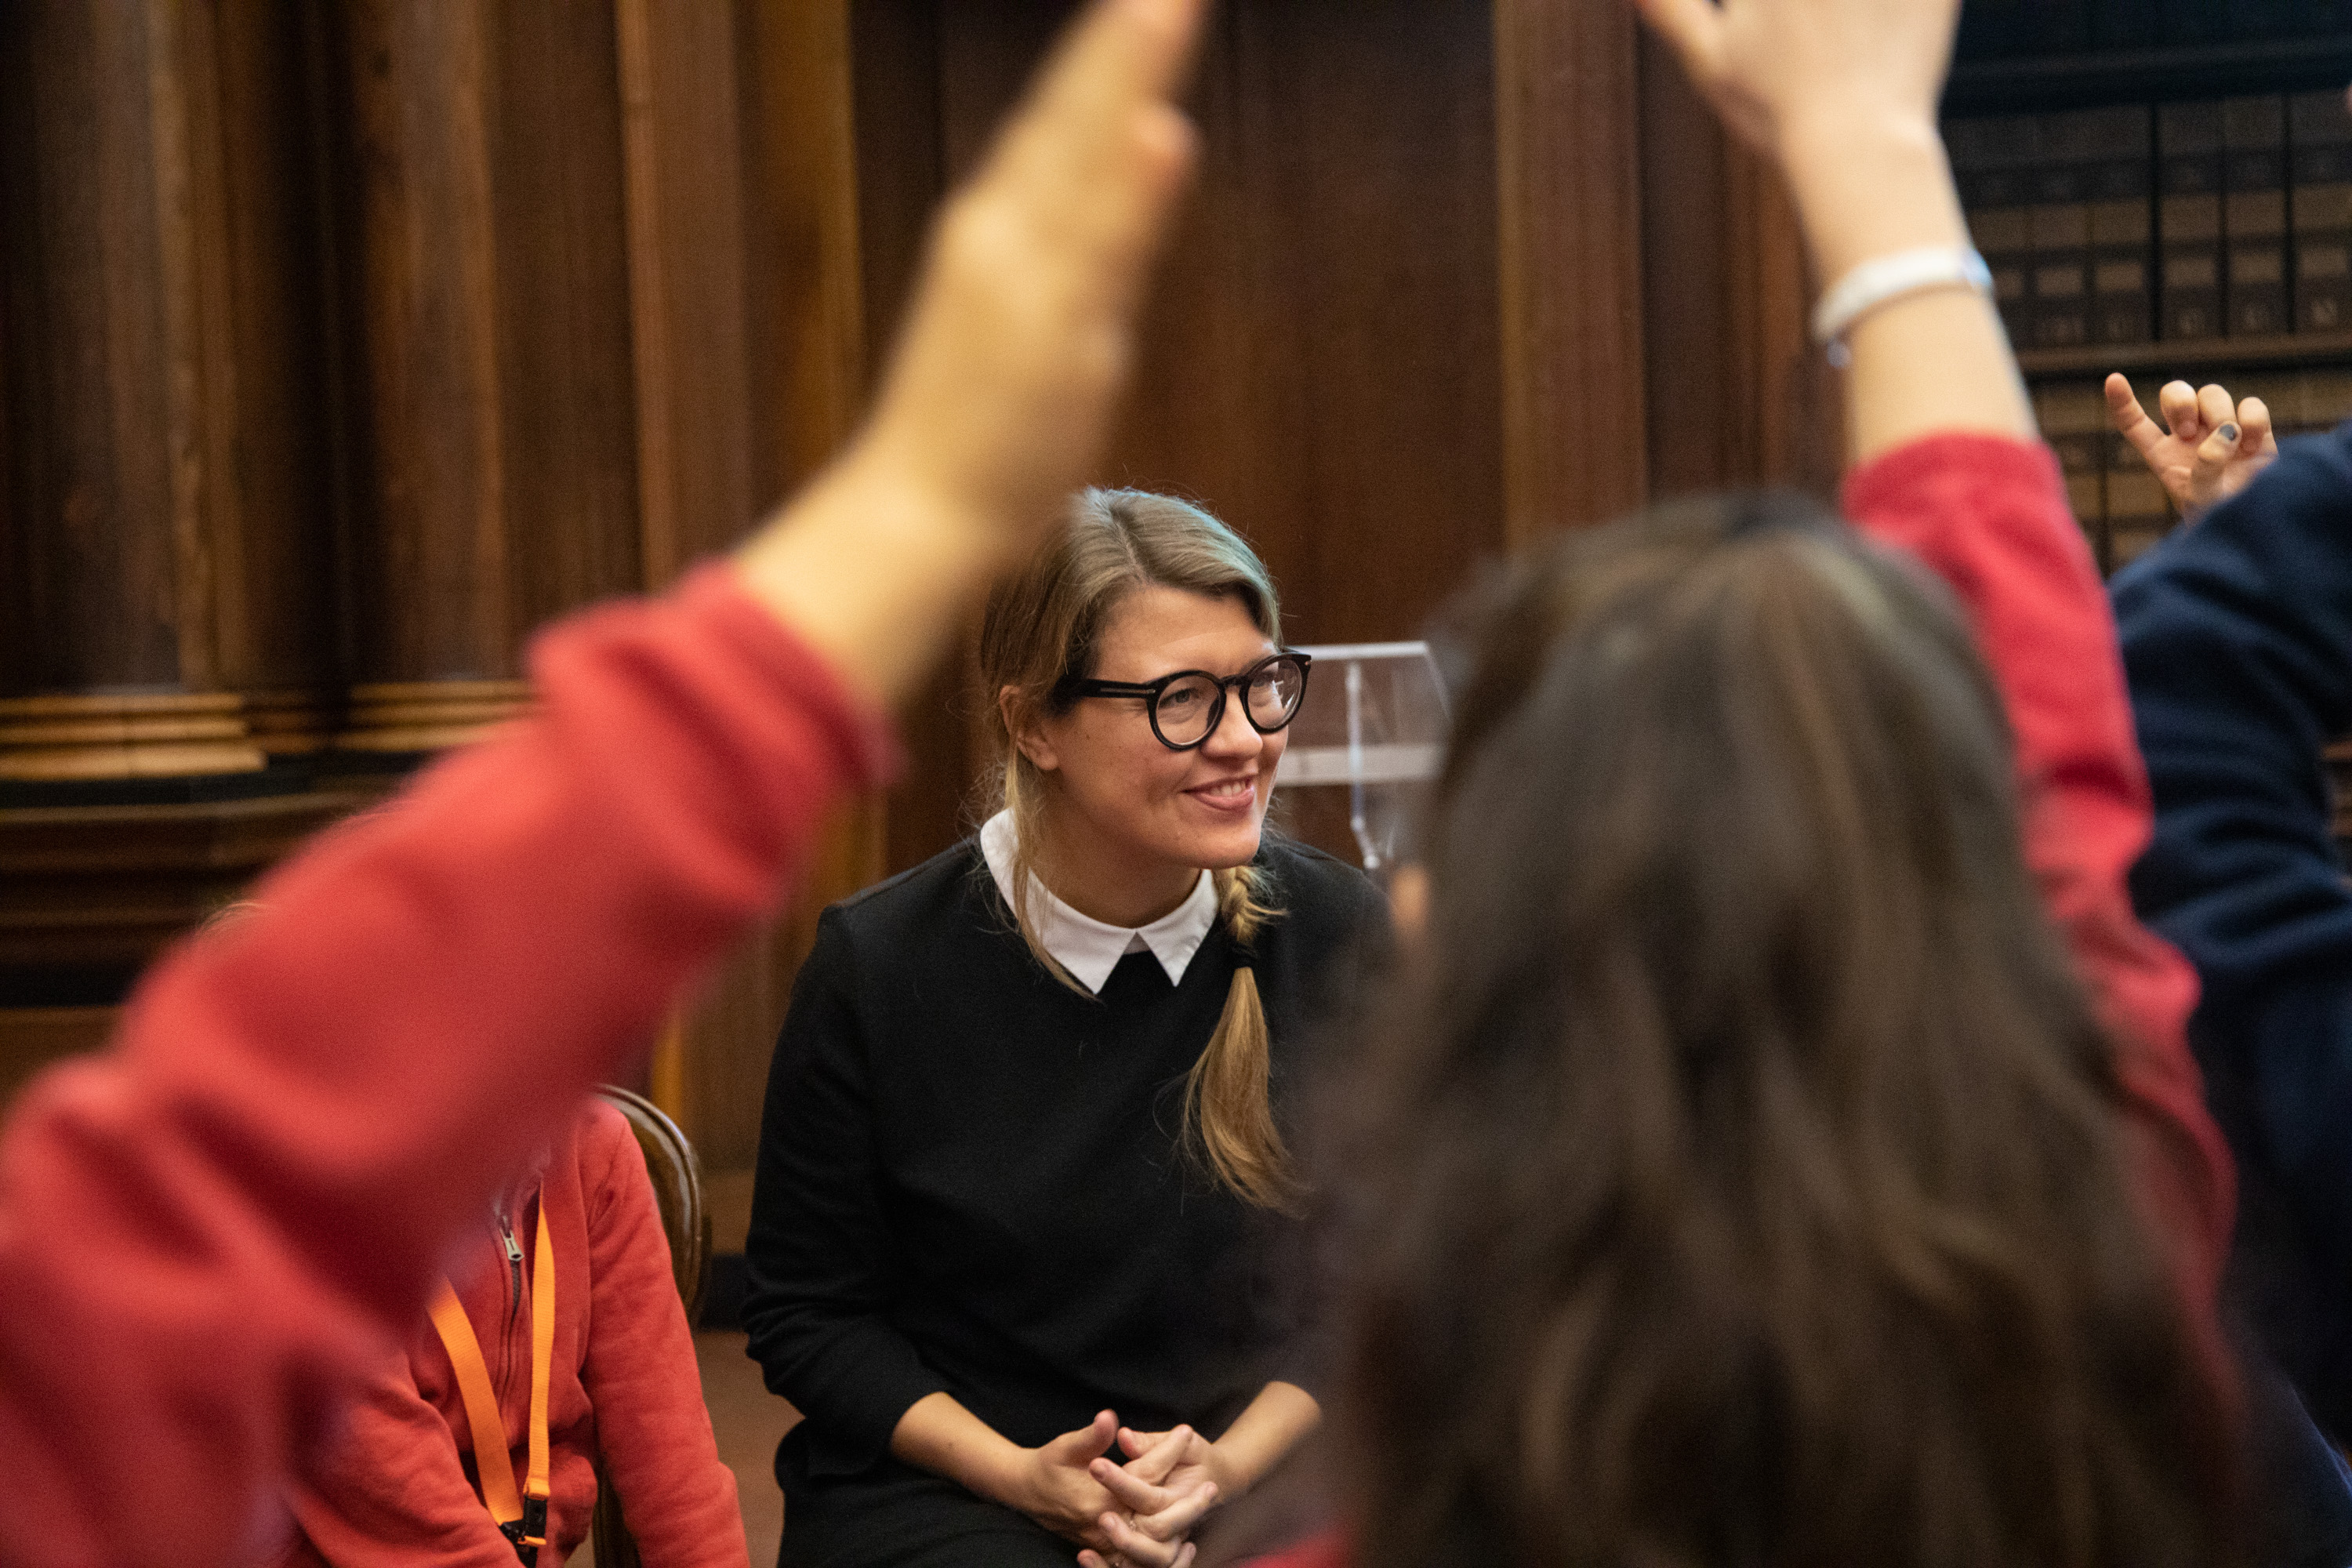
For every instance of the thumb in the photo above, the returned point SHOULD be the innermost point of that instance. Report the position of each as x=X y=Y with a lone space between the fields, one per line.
x=1082 y=1447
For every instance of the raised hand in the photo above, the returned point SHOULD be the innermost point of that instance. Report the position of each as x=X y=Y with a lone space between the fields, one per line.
x=1841 y=94
x=2207 y=448
x=1004 y=383
x=1765 y=64
x=1009 y=369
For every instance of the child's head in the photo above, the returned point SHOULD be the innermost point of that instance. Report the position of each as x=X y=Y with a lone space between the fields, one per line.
x=1740 y=1179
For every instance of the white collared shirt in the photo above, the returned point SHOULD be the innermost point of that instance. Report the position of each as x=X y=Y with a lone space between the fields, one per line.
x=1086 y=947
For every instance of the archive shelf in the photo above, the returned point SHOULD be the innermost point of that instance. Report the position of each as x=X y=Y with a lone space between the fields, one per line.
x=2283 y=350
x=2045 y=82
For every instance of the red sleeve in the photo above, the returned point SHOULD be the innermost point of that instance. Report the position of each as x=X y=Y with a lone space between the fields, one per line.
x=653 y=1430
x=207 y=1232
x=1990 y=516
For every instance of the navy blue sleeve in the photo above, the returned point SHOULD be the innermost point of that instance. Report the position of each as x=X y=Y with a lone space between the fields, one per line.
x=2237 y=639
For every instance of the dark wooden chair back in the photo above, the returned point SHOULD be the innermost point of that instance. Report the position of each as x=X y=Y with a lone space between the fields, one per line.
x=678 y=1191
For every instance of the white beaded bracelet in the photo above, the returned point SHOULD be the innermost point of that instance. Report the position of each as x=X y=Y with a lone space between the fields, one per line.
x=1883 y=279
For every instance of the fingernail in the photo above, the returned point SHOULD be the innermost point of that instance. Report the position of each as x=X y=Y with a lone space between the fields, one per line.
x=2229 y=432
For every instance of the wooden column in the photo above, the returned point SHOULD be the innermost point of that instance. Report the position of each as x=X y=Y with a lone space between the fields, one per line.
x=493 y=480
x=433 y=641
x=162 y=537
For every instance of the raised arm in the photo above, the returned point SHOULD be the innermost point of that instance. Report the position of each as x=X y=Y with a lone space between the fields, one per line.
x=2238 y=637
x=1841 y=94
x=208 y=1232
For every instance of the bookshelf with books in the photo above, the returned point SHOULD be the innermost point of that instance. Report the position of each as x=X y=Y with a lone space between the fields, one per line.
x=2162 y=188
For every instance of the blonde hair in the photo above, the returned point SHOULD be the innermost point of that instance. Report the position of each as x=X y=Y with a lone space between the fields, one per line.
x=1041 y=628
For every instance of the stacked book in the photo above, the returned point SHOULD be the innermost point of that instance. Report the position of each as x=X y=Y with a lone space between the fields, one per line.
x=2172 y=221
x=2120 y=504
x=1998 y=29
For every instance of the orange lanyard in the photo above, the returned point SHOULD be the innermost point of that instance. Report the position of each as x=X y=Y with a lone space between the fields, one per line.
x=521 y=1518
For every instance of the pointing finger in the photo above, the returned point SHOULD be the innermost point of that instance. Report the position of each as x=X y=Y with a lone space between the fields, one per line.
x=2131 y=420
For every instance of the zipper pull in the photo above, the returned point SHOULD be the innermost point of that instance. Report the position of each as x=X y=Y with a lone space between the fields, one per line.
x=507 y=1235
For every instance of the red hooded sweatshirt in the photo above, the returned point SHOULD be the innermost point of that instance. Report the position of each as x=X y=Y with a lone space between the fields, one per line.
x=398 y=1485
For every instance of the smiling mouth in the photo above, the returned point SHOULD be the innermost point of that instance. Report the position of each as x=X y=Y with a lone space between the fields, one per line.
x=1226 y=789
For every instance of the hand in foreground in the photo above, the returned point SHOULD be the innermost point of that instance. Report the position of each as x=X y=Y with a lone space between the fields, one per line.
x=1005 y=384
x=2209 y=448
x=1055 y=1486
x=1169 y=1484
x=1764 y=64
x=1006 y=376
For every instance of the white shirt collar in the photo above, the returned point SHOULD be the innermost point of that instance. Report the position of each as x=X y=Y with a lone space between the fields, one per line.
x=1086 y=947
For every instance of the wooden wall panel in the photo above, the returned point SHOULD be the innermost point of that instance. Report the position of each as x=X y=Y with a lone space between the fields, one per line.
x=687 y=272
x=899 y=160
x=567 y=409
x=1567 y=95
x=1737 y=393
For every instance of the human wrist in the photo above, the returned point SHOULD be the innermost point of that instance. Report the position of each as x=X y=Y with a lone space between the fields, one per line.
x=1234 y=1472
x=906 y=506
x=1005 y=1472
x=1868 y=185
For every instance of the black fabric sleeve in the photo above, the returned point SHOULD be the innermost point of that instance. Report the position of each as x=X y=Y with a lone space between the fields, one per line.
x=2237 y=638
x=823 y=1267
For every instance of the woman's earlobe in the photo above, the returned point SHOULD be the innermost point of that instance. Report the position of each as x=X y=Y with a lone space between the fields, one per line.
x=1038 y=750
x=1021 y=724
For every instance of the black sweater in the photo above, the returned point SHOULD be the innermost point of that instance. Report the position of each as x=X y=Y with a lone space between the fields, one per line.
x=971 y=1178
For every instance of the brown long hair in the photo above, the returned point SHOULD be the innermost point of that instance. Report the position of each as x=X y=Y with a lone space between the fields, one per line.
x=1740 y=1178
x=1041 y=627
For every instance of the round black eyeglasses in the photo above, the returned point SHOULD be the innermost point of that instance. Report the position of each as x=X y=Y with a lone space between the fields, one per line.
x=1187 y=707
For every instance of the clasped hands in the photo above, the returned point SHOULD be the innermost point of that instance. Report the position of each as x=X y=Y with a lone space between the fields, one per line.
x=1140 y=1514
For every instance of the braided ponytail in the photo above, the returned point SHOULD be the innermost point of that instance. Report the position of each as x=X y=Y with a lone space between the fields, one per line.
x=1228 y=1104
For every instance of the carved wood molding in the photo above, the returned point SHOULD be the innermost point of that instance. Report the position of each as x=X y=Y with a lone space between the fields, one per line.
x=428 y=715
x=103 y=888
x=290 y=723
x=125 y=736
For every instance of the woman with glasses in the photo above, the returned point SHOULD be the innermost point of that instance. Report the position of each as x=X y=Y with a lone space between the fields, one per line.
x=1023 y=1196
